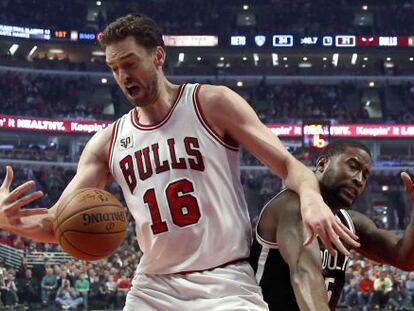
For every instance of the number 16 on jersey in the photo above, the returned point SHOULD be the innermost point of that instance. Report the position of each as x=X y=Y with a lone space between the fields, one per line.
x=182 y=203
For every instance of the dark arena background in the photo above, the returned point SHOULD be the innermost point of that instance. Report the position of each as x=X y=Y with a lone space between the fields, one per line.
x=313 y=70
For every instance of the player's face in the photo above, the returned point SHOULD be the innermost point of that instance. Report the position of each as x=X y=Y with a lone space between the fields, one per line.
x=344 y=176
x=136 y=70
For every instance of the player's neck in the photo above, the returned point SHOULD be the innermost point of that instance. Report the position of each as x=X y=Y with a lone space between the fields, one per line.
x=156 y=111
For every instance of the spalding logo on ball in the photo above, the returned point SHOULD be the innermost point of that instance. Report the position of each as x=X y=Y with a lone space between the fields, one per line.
x=90 y=224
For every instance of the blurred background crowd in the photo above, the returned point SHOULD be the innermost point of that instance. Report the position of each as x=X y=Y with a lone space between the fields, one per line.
x=68 y=80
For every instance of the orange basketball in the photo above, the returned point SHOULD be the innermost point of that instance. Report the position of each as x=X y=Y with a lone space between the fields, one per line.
x=90 y=224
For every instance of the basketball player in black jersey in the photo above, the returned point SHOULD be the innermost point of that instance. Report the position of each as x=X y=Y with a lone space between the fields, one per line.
x=293 y=276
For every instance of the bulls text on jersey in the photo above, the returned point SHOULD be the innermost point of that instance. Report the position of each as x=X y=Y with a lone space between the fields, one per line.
x=147 y=161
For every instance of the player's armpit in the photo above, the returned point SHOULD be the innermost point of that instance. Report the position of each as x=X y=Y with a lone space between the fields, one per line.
x=384 y=246
x=304 y=261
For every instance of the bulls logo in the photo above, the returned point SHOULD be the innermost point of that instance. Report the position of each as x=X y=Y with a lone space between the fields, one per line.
x=126 y=143
x=260 y=40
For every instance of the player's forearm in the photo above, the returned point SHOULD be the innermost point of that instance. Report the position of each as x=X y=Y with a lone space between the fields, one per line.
x=42 y=233
x=309 y=289
x=307 y=282
x=304 y=262
x=299 y=178
x=405 y=247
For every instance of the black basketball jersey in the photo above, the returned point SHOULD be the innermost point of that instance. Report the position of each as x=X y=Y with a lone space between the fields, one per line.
x=272 y=272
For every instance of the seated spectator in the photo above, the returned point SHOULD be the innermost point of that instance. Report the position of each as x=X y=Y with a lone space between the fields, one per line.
x=365 y=291
x=351 y=289
x=67 y=297
x=48 y=286
x=109 y=291
x=95 y=292
x=409 y=285
x=82 y=287
x=382 y=288
x=123 y=285
x=397 y=297
x=11 y=292
x=28 y=289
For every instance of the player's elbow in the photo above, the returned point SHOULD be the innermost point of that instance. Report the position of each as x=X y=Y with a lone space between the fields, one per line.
x=406 y=265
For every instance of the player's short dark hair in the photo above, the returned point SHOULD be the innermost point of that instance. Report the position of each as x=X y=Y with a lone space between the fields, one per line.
x=339 y=146
x=144 y=29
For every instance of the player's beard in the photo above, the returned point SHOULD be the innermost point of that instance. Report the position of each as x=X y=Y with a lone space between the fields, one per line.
x=150 y=92
x=333 y=196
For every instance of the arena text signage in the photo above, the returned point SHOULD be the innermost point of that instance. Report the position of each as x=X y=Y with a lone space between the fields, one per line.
x=284 y=130
x=51 y=125
x=346 y=130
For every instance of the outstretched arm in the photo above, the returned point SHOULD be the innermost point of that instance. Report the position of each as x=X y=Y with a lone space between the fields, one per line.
x=37 y=224
x=384 y=246
x=304 y=261
x=230 y=115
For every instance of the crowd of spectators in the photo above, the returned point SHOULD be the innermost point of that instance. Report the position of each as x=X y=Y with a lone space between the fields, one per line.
x=380 y=287
x=302 y=101
x=212 y=17
x=73 y=98
x=68 y=285
x=35 y=154
x=47 y=96
x=104 y=284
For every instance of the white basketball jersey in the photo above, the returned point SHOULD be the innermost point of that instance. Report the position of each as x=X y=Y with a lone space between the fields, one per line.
x=182 y=185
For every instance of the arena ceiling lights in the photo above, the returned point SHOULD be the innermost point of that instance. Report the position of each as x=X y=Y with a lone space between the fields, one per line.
x=98 y=53
x=13 y=49
x=275 y=59
x=32 y=51
x=335 y=59
x=354 y=58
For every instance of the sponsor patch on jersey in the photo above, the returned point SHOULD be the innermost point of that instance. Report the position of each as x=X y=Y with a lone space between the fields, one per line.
x=126 y=143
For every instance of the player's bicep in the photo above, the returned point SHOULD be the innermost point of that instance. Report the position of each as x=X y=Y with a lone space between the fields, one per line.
x=376 y=244
x=291 y=235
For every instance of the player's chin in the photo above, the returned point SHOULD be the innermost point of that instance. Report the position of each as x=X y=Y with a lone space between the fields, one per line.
x=137 y=101
x=345 y=200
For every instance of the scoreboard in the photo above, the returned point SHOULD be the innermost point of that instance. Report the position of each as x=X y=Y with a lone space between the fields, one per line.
x=327 y=41
x=282 y=41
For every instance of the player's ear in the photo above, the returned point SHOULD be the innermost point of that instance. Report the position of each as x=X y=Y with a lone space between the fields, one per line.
x=159 y=59
x=321 y=164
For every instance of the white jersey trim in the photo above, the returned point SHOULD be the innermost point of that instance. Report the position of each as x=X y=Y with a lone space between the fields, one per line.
x=348 y=219
x=114 y=136
x=135 y=119
x=203 y=121
x=259 y=239
x=264 y=253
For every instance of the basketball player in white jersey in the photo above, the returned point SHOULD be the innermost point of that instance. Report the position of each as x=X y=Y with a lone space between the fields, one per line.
x=175 y=155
